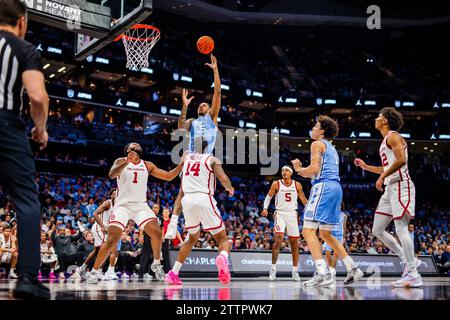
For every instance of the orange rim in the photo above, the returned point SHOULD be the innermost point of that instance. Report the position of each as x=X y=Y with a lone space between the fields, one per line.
x=140 y=26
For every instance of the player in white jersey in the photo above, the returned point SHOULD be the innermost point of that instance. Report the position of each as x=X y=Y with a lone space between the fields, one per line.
x=99 y=232
x=398 y=200
x=286 y=192
x=132 y=174
x=205 y=126
x=198 y=185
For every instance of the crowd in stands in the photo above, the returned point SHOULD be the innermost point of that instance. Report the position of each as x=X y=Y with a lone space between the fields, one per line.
x=68 y=204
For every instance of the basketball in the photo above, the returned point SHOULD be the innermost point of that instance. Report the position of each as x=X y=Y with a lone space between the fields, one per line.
x=205 y=44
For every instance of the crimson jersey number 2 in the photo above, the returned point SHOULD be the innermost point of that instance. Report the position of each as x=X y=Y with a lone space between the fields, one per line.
x=384 y=159
x=193 y=167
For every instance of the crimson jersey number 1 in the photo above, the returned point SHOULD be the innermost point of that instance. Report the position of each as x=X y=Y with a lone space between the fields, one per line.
x=195 y=168
x=135 y=177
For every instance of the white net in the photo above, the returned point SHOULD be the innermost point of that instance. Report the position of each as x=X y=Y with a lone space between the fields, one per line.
x=138 y=42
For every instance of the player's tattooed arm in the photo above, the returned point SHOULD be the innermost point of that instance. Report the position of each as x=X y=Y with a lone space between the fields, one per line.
x=117 y=167
x=317 y=149
x=102 y=208
x=217 y=97
x=182 y=122
x=301 y=194
x=158 y=173
x=222 y=176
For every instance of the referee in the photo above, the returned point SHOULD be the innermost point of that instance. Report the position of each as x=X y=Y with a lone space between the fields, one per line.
x=20 y=66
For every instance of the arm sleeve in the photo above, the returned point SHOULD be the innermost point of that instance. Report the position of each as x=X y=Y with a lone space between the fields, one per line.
x=267 y=202
x=31 y=59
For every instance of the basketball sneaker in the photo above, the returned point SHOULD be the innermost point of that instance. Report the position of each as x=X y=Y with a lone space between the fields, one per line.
x=52 y=276
x=81 y=272
x=172 y=278
x=319 y=280
x=406 y=268
x=148 y=276
x=353 y=275
x=272 y=274
x=410 y=280
x=296 y=276
x=157 y=268
x=124 y=275
x=40 y=276
x=93 y=277
x=12 y=275
x=222 y=266
x=110 y=276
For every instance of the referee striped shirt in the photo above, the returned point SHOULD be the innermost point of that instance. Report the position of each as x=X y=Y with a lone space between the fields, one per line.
x=16 y=57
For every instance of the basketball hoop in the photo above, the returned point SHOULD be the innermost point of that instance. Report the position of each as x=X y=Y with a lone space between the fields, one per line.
x=138 y=42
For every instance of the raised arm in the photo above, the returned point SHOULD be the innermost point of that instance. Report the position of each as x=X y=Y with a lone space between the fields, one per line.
x=106 y=205
x=272 y=191
x=158 y=173
x=374 y=169
x=118 y=166
x=216 y=166
x=301 y=194
x=182 y=122
x=217 y=97
x=317 y=149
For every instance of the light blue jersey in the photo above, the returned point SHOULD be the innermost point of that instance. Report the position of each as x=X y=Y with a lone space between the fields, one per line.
x=337 y=231
x=205 y=128
x=325 y=198
x=329 y=168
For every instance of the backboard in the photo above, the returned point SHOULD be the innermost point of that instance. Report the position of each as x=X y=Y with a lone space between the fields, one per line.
x=95 y=23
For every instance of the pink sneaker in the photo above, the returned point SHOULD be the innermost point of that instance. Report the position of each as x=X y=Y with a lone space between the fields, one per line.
x=39 y=276
x=52 y=276
x=222 y=266
x=172 y=278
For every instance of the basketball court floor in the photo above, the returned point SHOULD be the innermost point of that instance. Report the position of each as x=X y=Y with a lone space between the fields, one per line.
x=434 y=288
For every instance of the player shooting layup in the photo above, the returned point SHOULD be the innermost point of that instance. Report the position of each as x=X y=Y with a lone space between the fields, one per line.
x=204 y=126
x=286 y=192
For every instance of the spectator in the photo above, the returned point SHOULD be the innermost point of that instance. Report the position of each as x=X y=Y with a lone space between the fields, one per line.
x=8 y=252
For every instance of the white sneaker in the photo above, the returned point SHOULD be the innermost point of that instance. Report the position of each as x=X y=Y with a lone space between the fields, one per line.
x=272 y=274
x=62 y=276
x=406 y=268
x=296 y=276
x=12 y=275
x=124 y=276
x=110 y=276
x=319 y=280
x=353 y=275
x=171 y=230
x=408 y=281
x=92 y=277
x=148 y=276
x=135 y=276
x=158 y=270
x=81 y=273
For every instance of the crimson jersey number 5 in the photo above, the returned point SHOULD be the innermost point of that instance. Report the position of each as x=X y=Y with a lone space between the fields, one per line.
x=384 y=160
x=287 y=197
x=195 y=168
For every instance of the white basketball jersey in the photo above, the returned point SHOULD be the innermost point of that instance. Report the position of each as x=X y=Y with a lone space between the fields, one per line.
x=132 y=184
x=106 y=214
x=198 y=175
x=388 y=158
x=286 y=197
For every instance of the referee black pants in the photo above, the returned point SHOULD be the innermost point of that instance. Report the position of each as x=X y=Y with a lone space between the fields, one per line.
x=17 y=176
